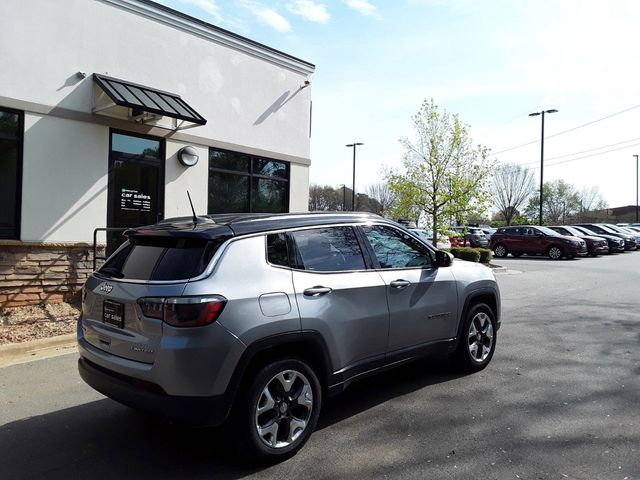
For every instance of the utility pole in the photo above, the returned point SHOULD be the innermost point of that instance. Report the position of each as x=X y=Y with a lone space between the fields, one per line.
x=534 y=114
x=636 y=188
x=353 y=186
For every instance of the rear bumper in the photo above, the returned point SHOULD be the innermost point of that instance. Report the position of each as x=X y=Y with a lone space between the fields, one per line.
x=150 y=397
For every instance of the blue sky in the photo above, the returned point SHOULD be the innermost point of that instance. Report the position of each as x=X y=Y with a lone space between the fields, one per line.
x=491 y=62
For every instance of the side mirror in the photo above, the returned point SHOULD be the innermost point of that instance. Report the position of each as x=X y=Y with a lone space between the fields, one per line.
x=443 y=259
x=540 y=235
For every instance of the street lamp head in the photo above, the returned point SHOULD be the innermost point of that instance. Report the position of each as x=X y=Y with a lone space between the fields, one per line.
x=353 y=144
x=534 y=114
x=553 y=110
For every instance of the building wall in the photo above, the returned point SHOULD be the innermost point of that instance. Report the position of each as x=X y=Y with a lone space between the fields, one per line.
x=249 y=99
x=254 y=98
x=250 y=95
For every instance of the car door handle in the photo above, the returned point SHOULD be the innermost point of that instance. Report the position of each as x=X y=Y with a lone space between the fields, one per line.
x=317 y=291
x=400 y=284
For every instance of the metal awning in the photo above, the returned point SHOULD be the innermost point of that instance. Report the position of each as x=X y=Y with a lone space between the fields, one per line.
x=119 y=98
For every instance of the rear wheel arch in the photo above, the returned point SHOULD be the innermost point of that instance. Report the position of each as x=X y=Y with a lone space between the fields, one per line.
x=308 y=346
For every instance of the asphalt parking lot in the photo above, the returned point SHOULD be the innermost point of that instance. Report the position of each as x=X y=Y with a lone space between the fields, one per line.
x=561 y=399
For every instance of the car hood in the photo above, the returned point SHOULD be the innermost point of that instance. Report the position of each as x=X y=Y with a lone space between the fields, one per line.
x=593 y=238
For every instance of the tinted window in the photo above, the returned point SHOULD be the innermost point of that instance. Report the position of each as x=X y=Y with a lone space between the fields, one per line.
x=396 y=249
x=161 y=258
x=10 y=173
x=239 y=182
x=277 y=249
x=329 y=249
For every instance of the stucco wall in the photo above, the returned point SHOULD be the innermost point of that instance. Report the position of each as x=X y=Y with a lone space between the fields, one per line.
x=250 y=95
x=64 y=192
x=247 y=99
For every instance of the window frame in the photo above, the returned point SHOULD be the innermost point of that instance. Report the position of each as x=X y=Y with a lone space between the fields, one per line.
x=19 y=139
x=250 y=175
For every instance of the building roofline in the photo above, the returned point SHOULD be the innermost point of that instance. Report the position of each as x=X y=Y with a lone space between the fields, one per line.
x=169 y=16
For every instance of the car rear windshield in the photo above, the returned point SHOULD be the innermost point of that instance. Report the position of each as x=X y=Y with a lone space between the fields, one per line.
x=161 y=258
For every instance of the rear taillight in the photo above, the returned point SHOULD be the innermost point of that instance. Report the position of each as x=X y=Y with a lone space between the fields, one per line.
x=184 y=311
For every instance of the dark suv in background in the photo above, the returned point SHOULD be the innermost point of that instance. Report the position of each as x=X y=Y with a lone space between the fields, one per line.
x=474 y=236
x=534 y=240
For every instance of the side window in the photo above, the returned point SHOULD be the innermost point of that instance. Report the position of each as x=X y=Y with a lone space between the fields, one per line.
x=332 y=249
x=395 y=249
x=277 y=249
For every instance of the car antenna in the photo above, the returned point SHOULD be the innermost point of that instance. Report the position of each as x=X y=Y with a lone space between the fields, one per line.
x=193 y=210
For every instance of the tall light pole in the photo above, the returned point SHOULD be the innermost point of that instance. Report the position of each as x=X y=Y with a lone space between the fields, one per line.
x=535 y=114
x=636 y=188
x=353 y=188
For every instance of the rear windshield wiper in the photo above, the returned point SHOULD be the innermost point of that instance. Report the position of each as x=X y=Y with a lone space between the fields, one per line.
x=113 y=272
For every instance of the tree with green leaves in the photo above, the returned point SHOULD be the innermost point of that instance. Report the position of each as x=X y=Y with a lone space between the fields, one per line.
x=444 y=176
x=560 y=201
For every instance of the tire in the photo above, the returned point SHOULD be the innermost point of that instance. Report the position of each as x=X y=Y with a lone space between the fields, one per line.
x=479 y=329
x=500 y=251
x=555 y=252
x=277 y=412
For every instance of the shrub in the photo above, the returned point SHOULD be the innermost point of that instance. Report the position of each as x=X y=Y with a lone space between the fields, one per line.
x=486 y=255
x=469 y=254
x=455 y=251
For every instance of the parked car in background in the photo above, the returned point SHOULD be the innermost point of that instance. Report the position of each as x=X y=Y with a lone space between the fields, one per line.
x=473 y=236
x=257 y=318
x=595 y=245
x=600 y=228
x=616 y=244
x=628 y=231
x=443 y=242
x=534 y=240
x=488 y=231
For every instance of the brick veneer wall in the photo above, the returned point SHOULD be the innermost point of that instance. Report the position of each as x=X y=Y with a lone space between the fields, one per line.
x=37 y=273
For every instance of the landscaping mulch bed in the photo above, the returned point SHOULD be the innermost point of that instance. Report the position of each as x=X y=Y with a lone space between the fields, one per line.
x=20 y=324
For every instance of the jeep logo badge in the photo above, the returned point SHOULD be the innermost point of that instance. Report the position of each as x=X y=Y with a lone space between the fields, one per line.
x=106 y=288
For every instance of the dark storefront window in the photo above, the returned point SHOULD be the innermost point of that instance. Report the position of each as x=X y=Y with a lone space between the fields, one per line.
x=11 y=128
x=244 y=183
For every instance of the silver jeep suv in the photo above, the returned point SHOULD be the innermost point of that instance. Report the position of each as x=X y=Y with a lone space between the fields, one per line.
x=253 y=319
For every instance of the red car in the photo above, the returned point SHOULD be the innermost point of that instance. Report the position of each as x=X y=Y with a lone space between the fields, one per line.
x=534 y=240
x=595 y=245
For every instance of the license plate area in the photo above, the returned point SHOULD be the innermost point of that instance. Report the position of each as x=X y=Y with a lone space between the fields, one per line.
x=113 y=313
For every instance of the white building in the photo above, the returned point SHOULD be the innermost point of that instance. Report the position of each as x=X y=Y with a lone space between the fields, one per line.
x=97 y=100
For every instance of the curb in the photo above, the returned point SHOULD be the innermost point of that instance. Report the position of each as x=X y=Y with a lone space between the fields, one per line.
x=15 y=353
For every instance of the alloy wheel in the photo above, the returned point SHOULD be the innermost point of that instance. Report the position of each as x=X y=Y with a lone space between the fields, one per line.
x=284 y=409
x=555 y=253
x=480 y=337
x=500 y=251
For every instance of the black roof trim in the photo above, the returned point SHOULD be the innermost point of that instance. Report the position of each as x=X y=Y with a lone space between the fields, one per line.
x=133 y=95
x=211 y=226
x=226 y=32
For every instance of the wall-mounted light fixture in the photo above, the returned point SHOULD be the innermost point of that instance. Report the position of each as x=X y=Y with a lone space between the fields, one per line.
x=188 y=156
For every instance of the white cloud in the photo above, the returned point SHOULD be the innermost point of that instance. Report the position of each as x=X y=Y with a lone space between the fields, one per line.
x=312 y=11
x=267 y=16
x=209 y=6
x=363 y=7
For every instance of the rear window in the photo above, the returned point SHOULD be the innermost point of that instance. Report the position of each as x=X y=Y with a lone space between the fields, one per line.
x=160 y=258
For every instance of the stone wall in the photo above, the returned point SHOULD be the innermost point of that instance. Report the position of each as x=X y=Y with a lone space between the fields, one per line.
x=38 y=273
